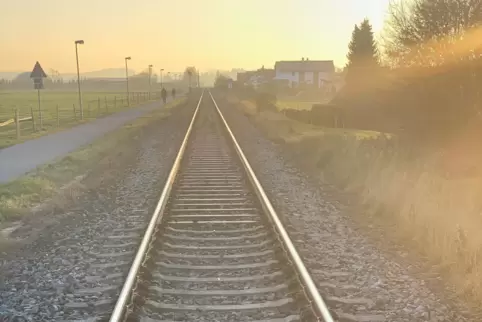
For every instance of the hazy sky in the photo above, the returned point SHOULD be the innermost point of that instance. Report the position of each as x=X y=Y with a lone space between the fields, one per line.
x=172 y=34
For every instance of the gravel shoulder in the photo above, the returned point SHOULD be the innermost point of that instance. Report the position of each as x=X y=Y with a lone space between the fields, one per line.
x=336 y=248
x=40 y=279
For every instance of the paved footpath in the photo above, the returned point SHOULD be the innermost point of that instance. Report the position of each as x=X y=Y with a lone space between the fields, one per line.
x=24 y=157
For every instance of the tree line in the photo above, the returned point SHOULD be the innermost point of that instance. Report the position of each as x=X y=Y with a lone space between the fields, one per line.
x=423 y=79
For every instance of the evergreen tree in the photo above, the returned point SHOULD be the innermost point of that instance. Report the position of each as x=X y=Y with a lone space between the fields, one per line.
x=362 y=56
x=352 y=47
x=352 y=64
x=367 y=46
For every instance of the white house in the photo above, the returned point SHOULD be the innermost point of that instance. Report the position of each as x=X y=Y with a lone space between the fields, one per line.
x=315 y=72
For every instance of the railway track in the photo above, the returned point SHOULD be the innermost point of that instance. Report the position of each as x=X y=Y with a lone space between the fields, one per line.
x=215 y=249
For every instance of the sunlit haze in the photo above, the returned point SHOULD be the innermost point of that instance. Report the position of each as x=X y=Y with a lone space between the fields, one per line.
x=172 y=34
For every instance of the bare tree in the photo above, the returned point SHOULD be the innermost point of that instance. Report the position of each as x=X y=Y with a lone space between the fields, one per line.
x=433 y=32
x=434 y=48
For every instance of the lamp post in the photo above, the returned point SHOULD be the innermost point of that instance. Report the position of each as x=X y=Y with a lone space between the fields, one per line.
x=162 y=69
x=127 y=80
x=150 y=73
x=189 y=73
x=79 y=42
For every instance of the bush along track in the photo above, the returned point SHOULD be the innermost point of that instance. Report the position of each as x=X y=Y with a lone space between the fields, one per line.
x=334 y=230
x=426 y=198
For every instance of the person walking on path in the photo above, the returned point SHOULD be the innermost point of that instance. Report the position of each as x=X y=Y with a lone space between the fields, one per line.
x=164 y=95
x=173 y=92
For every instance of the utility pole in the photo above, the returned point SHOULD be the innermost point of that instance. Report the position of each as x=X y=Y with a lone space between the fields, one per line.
x=79 y=42
x=162 y=69
x=189 y=73
x=150 y=73
x=127 y=80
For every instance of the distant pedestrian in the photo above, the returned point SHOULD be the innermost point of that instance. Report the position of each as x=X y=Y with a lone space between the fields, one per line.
x=164 y=95
x=173 y=92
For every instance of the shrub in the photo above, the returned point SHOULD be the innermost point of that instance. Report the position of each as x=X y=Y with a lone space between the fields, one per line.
x=266 y=102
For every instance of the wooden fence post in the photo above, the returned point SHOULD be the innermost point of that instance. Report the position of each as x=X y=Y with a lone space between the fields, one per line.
x=98 y=106
x=33 y=119
x=105 y=103
x=75 y=114
x=58 y=116
x=17 y=123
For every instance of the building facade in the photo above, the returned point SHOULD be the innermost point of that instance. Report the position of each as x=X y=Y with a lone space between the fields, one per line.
x=317 y=73
x=256 y=78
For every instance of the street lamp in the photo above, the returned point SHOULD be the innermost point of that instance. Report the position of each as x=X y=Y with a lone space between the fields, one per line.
x=162 y=69
x=189 y=73
x=150 y=72
x=127 y=80
x=79 y=42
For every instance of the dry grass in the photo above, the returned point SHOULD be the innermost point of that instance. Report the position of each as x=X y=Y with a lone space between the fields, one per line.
x=441 y=216
x=18 y=197
x=438 y=215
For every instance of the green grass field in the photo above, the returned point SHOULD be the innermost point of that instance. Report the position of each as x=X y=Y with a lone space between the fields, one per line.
x=60 y=110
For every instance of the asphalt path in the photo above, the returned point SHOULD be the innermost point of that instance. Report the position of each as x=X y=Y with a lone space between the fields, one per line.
x=21 y=158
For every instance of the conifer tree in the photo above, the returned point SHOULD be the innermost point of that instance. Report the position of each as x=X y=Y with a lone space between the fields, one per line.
x=362 y=55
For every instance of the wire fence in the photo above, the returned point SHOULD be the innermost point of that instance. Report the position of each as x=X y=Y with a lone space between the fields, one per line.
x=25 y=121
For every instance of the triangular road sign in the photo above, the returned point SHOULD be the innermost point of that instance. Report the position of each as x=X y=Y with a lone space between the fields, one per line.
x=37 y=71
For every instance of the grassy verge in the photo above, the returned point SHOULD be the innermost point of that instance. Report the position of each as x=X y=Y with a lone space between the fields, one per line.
x=60 y=110
x=297 y=103
x=19 y=196
x=407 y=194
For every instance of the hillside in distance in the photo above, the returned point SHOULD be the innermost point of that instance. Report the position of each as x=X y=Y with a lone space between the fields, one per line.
x=104 y=73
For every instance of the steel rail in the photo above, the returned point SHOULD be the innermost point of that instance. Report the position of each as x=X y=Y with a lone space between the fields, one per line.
x=120 y=306
x=319 y=304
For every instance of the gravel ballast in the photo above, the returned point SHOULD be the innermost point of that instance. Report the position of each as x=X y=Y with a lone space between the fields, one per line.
x=344 y=262
x=42 y=281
